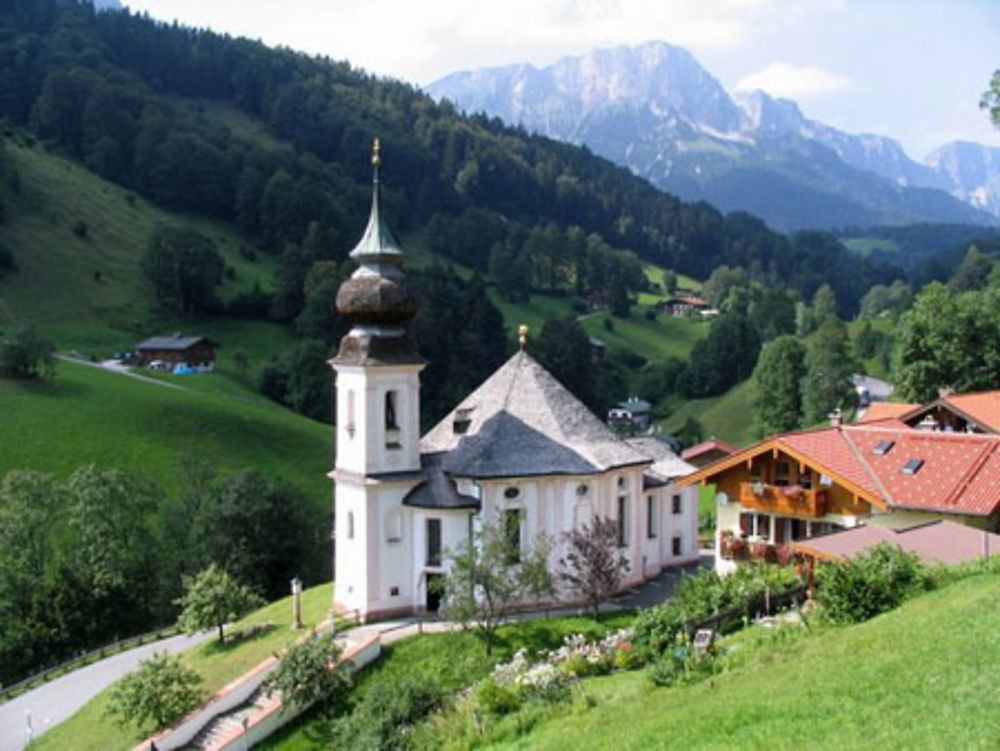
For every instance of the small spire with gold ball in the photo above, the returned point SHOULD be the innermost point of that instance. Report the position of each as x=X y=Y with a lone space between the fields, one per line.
x=522 y=334
x=376 y=156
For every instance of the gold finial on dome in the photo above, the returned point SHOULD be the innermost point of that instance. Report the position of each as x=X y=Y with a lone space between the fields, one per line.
x=522 y=334
x=376 y=156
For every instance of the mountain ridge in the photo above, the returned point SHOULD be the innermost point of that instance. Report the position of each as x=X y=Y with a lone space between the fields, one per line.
x=654 y=109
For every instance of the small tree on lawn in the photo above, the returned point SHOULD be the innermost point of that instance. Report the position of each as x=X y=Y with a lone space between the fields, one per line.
x=26 y=355
x=211 y=599
x=160 y=690
x=311 y=672
x=594 y=564
x=491 y=575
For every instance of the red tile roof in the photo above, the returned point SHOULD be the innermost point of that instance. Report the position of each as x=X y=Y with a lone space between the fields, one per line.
x=960 y=473
x=939 y=542
x=886 y=411
x=983 y=407
x=705 y=446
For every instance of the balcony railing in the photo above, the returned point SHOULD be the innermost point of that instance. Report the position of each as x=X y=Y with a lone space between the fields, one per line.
x=789 y=500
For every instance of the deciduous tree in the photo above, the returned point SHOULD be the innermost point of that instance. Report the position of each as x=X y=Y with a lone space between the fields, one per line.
x=159 y=691
x=490 y=575
x=213 y=598
x=594 y=564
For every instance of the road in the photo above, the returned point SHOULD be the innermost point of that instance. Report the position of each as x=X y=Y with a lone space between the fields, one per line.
x=57 y=700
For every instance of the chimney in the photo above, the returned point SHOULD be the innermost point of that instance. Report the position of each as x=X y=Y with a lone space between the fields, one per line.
x=836 y=418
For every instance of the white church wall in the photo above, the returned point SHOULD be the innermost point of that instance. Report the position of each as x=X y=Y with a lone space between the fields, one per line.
x=365 y=445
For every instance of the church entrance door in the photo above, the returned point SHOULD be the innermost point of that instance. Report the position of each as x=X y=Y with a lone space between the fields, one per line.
x=434 y=582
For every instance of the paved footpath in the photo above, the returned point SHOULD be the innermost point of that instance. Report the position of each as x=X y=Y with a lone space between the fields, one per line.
x=57 y=700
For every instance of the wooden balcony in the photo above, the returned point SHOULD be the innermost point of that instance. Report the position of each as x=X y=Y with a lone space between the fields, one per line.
x=786 y=501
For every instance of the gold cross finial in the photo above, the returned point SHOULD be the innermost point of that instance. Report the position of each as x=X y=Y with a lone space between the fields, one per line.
x=376 y=157
x=522 y=334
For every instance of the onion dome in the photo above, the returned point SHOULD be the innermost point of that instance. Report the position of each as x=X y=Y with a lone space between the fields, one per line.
x=377 y=300
x=377 y=294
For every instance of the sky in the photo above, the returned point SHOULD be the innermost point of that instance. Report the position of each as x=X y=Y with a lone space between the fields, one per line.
x=910 y=69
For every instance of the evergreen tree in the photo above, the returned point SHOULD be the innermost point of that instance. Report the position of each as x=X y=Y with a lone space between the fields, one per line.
x=827 y=384
x=777 y=380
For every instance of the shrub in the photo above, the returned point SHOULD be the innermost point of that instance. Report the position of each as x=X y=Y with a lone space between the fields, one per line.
x=159 y=691
x=650 y=314
x=496 y=698
x=80 y=229
x=384 y=717
x=869 y=584
x=705 y=594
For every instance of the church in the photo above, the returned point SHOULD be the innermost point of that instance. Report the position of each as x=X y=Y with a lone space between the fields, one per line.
x=520 y=451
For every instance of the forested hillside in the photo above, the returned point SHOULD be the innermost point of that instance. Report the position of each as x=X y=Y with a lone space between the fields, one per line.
x=135 y=101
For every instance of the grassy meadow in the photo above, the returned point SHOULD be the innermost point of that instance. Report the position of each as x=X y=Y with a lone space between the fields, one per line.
x=86 y=414
x=918 y=678
x=87 y=292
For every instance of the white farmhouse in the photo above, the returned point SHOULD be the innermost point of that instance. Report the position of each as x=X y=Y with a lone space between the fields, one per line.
x=520 y=451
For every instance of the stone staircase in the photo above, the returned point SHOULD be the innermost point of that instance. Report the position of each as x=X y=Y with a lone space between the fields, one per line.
x=230 y=724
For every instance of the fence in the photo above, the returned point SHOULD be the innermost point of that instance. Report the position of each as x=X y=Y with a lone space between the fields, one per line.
x=763 y=605
x=81 y=660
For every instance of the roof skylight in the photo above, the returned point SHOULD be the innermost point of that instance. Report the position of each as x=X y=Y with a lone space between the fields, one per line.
x=913 y=466
x=883 y=447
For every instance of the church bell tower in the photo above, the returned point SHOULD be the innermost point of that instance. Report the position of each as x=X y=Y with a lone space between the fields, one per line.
x=378 y=415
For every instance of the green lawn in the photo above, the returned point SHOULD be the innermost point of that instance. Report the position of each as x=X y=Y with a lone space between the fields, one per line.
x=728 y=417
x=920 y=677
x=89 y=415
x=91 y=730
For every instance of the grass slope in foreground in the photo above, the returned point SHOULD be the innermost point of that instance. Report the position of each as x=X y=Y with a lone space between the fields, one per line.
x=89 y=415
x=920 y=677
x=91 y=729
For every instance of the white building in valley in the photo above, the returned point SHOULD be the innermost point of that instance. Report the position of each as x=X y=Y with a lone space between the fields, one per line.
x=519 y=451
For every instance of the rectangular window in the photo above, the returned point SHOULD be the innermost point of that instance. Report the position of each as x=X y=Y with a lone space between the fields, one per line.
x=391 y=425
x=677 y=546
x=622 y=537
x=675 y=504
x=650 y=517
x=433 y=542
x=781 y=470
x=512 y=534
x=806 y=479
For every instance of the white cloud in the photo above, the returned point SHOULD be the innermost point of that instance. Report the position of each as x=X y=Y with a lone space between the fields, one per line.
x=421 y=41
x=782 y=79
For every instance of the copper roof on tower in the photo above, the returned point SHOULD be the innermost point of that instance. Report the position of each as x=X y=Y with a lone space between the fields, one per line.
x=377 y=300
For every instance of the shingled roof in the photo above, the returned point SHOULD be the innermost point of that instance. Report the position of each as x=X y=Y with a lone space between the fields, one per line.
x=522 y=422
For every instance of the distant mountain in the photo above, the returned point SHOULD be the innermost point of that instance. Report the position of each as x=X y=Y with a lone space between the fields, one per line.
x=972 y=171
x=656 y=110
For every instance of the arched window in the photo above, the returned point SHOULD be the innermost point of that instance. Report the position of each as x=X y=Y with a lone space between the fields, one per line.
x=390 y=410
x=350 y=525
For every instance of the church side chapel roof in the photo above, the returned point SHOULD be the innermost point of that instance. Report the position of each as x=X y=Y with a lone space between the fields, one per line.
x=522 y=422
x=438 y=490
x=667 y=465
